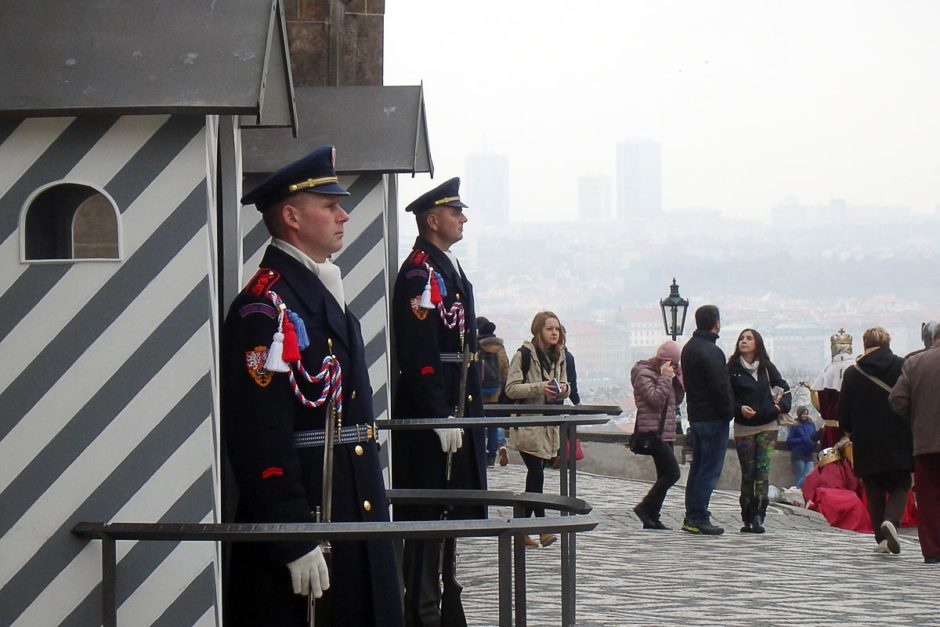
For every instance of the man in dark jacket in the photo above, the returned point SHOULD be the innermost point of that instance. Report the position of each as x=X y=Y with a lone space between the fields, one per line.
x=434 y=319
x=882 y=441
x=708 y=402
x=287 y=341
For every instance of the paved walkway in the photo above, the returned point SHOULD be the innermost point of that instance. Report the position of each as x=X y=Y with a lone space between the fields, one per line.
x=800 y=572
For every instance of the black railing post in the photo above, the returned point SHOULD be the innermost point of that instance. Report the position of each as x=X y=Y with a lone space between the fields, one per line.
x=108 y=582
x=505 y=579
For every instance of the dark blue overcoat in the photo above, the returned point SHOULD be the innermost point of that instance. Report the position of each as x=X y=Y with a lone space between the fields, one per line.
x=428 y=387
x=279 y=482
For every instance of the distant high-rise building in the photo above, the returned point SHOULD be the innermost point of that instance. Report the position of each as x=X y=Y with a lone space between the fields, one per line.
x=639 y=179
x=593 y=198
x=486 y=187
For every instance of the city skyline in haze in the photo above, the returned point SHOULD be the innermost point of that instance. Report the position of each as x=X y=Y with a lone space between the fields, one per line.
x=754 y=105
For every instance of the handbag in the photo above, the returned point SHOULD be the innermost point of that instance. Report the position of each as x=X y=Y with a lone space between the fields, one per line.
x=642 y=443
x=784 y=419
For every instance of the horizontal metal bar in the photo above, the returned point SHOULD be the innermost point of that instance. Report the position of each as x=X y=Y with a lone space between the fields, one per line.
x=307 y=532
x=409 y=496
x=504 y=409
x=417 y=424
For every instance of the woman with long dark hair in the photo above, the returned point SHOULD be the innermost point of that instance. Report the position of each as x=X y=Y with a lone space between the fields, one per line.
x=753 y=377
x=537 y=374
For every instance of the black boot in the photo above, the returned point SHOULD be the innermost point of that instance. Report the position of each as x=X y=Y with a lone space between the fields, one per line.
x=757 y=524
x=747 y=516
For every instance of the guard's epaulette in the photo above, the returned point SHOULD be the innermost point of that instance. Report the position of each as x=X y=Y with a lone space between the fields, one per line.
x=418 y=257
x=263 y=280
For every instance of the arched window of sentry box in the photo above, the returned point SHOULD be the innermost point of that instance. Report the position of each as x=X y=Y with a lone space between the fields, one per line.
x=70 y=222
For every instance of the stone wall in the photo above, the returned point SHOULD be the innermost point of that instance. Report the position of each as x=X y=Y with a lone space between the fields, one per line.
x=360 y=41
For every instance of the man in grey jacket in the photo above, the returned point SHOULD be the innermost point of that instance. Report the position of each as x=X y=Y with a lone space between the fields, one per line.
x=708 y=402
x=916 y=397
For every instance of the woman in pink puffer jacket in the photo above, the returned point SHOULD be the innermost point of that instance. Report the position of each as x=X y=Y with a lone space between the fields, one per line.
x=657 y=382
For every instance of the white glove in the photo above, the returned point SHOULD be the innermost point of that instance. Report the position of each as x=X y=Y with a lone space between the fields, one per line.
x=451 y=439
x=309 y=573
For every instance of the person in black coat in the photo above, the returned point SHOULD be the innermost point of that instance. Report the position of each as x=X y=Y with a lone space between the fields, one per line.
x=434 y=320
x=292 y=319
x=755 y=422
x=708 y=403
x=883 y=446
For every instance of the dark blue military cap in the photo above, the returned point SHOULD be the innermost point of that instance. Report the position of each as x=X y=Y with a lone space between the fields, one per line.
x=313 y=173
x=447 y=194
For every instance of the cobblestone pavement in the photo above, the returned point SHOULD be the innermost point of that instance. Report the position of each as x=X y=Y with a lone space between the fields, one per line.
x=801 y=572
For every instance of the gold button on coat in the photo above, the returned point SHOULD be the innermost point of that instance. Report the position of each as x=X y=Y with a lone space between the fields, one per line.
x=353 y=396
x=366 y=505
x=470 y=397
x=359 y=450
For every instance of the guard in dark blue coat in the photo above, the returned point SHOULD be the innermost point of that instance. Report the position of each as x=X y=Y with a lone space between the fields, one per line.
x=291 y=349
x=433 y=315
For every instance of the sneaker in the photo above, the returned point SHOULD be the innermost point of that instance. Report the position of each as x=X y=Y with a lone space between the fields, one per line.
x=689 y=527
x=710 y=530
x=530 y=541
x=703 y=528
x=491 y=461
x=931 y=560
x=891 y=536
x=882 y=547
x=656 y=524
x=757 y=526
x=503 y=456
x=546 y=539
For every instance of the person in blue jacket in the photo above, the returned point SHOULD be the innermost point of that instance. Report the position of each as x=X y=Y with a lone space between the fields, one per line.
x=802 y=439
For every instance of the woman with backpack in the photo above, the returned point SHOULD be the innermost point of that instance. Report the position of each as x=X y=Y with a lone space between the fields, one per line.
x=657 y=390
x=537 y=375
x=494 y=367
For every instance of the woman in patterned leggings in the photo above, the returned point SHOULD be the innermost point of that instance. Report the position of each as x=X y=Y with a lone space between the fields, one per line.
x=755 y=422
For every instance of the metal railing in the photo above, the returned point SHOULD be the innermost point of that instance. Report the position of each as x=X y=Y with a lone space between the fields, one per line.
x=566 y=418
x=508 y=531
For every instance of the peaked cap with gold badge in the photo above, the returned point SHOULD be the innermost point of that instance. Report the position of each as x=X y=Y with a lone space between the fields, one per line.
x=447 y=194
x=314 y=173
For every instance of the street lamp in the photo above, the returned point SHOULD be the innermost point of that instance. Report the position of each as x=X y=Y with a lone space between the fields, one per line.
x=674 y=303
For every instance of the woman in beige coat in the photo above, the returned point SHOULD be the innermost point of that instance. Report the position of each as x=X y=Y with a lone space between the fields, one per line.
x=544 y=381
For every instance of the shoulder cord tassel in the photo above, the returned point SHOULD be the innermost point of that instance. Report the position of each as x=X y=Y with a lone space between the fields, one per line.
x=426 y=301
x=303 y=340
x=291 y=336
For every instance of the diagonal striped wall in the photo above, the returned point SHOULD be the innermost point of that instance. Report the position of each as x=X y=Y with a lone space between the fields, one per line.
x=363 y=263
x=106 y=384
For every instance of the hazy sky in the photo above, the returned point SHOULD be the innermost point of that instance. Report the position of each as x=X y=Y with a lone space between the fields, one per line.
x=752 y=101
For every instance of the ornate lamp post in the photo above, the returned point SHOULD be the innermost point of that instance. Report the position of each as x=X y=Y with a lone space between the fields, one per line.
x=674 y=322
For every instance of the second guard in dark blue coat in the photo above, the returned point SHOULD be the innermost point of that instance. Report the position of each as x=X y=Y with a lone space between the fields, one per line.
x=273 y=418
x=433 y=315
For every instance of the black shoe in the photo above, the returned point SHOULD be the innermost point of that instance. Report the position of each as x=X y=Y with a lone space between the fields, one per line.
x=757 y=525
x=747 y=528
x=655 y=525
x=932 y=560
x=649 y=522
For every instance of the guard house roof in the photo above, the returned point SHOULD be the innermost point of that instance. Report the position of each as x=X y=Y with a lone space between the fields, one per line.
x=374 y=129
x=124 y=57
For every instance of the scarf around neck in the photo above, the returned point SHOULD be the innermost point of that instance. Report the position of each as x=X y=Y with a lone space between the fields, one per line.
x=328 y=272
x=751 y=369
